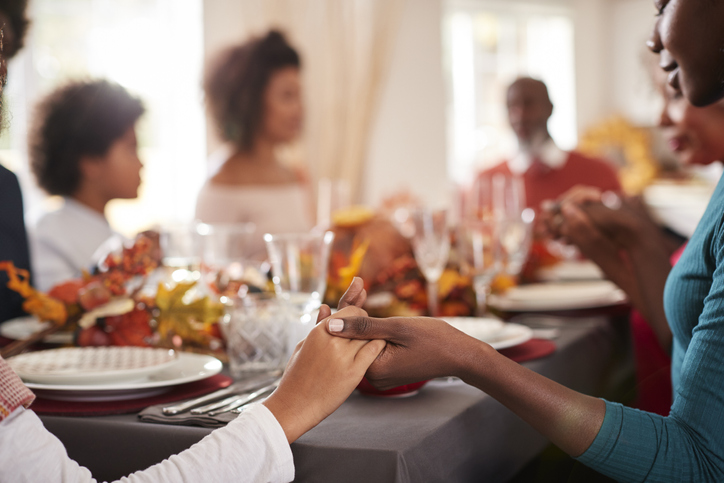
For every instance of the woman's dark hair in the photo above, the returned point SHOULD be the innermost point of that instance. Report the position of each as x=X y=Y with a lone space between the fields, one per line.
x=235 y=82
x=80 y=119
x=14 y=10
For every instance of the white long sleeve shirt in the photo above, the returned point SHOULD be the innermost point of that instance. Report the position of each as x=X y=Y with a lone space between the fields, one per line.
x=63 y=242
x=252 y=448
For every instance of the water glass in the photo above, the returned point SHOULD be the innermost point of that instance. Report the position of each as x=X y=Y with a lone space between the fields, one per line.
x=180 y=251
x=299 y=264
x=256 y=330
x=224 y=251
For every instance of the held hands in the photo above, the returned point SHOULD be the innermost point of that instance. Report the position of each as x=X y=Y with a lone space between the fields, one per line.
x=322 y=372
x=586 y=217
x=418 y=348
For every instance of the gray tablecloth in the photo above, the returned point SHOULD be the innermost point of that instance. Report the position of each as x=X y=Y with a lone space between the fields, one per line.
x=449 y=432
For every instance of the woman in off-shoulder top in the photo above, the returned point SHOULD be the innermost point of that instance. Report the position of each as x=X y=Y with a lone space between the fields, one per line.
x=253 y=94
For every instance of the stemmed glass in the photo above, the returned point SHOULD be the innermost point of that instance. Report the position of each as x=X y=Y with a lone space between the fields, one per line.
x=299 y=263
x=431 y=246
x=515 y=221
x=478 y=249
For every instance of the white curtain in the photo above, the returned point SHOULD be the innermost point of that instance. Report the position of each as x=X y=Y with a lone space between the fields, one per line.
x=346 y=47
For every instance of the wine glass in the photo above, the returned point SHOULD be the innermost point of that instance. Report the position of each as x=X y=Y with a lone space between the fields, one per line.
x=478 y=246
x=299 y=264
x=225 y=264
x=431 y=246
x=515 y=221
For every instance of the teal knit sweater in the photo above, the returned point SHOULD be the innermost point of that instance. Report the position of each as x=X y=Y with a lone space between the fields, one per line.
x=688 y=445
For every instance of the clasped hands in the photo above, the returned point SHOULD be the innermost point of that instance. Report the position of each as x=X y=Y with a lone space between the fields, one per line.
x=330 y=362
x=594 y=220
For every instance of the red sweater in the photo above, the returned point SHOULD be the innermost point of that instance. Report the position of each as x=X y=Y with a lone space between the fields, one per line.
x=549 y=185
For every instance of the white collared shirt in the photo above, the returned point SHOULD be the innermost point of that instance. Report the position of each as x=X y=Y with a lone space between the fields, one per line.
x=549 y=154
x=64 y=241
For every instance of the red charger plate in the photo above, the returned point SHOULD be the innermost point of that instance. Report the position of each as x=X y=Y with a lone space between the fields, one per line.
x=400 y=391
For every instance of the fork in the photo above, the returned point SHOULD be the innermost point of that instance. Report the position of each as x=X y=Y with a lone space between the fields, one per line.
x=234 y=389
x=243 y=401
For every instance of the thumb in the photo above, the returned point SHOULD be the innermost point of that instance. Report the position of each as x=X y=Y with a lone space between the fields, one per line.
x=369 y=352
x=355 y=294
x=362 y=327
x=324 y=312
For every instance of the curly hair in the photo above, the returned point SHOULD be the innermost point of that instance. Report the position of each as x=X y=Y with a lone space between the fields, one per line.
x=80 y=119
x=14 y=10
x=235 y=81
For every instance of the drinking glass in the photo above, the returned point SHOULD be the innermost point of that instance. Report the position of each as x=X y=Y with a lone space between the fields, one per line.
x=180 y=251
x=332 y=195
x=516 y=238
x=299 y=264
x=256 y=330
x=515 y=221
x=224 y=252
x=431 y=246
x=478 y=246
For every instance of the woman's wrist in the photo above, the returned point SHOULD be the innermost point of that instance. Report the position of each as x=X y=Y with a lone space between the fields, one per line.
x=290 y=421
x=472 y=359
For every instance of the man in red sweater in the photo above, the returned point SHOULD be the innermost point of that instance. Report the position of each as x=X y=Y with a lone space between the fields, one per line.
x=547 y=171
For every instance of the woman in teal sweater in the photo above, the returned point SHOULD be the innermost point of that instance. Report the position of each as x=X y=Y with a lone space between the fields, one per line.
x=623 y=443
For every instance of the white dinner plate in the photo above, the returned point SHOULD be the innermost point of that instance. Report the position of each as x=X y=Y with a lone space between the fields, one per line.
x=558 y=296
x=500 y=335
x=24 y=327
x=91 y=365
x=188 y=368
x=574 y=270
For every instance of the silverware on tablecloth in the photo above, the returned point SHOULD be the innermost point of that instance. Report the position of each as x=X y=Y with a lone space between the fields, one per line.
x=241 y=409
x=233 y=390
x=244 y=400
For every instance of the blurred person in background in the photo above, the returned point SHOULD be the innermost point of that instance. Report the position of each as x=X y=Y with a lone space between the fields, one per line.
x=83 y=147
x=253 y=93
x=694 y=136
x=13 y=237
x=547 y=171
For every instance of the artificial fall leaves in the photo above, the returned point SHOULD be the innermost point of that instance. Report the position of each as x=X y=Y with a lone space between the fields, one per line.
x=177 y=317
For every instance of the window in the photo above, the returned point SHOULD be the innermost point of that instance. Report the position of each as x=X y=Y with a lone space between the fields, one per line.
x=487 y=45
x=154 y=48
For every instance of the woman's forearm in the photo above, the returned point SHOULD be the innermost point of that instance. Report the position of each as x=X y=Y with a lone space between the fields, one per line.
x=651 y=267
x=567 y=418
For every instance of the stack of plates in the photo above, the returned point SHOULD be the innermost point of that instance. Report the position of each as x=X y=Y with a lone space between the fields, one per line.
x=559 y=296
x=574 y=270
x=498 y=334
x=109 y=373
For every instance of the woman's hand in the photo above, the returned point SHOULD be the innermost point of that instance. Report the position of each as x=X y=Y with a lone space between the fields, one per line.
x=418 y=348
x=320 y=376
x=421 y=348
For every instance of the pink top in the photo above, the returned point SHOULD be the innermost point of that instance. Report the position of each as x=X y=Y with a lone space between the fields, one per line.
x=273 y=209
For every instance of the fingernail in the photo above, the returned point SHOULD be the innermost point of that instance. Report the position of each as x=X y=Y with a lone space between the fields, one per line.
x=335 y=325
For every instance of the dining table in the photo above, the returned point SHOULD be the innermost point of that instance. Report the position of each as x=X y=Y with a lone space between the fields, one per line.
x=447 y=432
